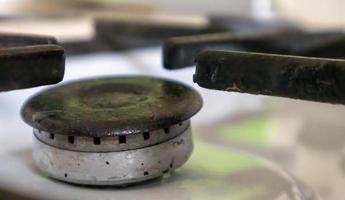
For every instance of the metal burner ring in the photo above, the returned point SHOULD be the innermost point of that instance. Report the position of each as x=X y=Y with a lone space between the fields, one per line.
x=113 y=168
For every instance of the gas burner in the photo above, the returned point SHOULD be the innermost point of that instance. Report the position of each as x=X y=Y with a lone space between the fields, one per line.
x=29 y=61
x=112 y=131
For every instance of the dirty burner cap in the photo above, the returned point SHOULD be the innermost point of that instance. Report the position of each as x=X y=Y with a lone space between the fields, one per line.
x=112 y=131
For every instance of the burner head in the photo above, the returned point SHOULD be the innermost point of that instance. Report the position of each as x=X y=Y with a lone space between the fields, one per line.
x=112 y=131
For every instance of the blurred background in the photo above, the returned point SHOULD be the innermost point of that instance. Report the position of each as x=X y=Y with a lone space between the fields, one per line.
x=269 y=148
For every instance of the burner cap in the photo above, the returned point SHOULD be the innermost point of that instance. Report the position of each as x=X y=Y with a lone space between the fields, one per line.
x=112 y=131
x=111 y=106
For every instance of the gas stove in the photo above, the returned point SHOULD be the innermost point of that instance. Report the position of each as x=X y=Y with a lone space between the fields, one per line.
x=245 y=147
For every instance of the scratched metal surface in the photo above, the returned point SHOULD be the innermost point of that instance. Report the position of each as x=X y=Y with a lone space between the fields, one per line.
x=237 y=138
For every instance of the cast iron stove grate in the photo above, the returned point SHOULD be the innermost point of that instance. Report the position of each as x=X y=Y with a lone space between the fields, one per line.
x=297 y=65
x=28 y=61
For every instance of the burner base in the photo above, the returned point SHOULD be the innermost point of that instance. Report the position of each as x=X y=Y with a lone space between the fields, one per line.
x=113 y=168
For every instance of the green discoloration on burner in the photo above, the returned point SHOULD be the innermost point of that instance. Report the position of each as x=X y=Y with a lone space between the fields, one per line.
x=111 y=106
x=306 y=78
